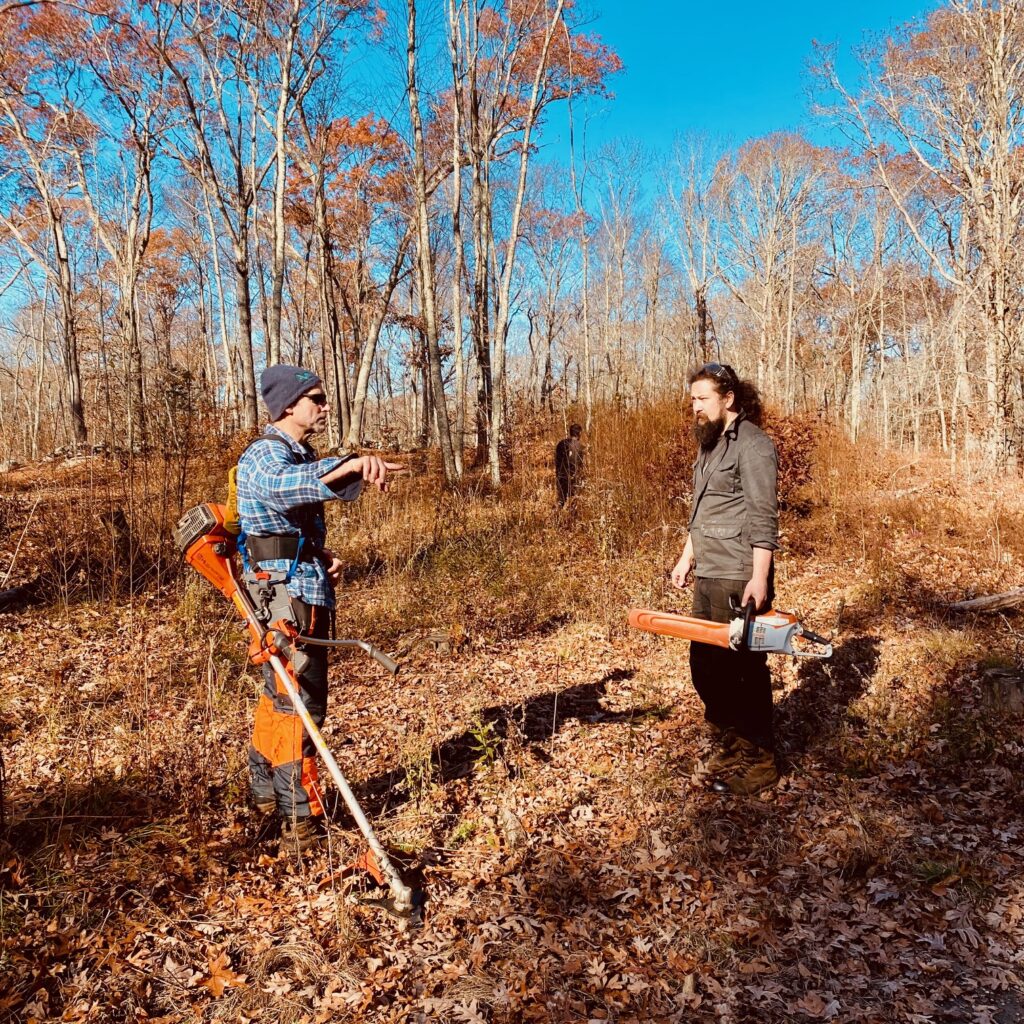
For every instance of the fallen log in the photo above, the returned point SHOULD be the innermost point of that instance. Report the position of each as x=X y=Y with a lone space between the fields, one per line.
x=991 y=603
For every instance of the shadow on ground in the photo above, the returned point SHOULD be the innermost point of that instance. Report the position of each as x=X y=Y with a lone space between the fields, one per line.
x=533 y=722
x=34 y=821
x=809 y=716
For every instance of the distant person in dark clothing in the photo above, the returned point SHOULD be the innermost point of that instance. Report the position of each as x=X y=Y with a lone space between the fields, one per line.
x=569 y=464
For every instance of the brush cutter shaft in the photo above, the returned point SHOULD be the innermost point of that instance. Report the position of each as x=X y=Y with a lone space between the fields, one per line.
x=401 y=893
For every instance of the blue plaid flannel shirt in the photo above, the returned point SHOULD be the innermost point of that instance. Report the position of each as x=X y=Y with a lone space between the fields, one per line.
x=281 y=493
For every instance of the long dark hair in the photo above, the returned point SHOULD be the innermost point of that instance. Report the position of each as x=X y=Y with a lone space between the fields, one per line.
x=725 y=379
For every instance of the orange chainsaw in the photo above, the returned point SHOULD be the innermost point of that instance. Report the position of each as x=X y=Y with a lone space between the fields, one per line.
x=208 y=544
x=774 y=632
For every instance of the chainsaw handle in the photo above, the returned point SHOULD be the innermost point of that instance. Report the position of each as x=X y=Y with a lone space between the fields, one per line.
x=815 y=638
x=748 y=611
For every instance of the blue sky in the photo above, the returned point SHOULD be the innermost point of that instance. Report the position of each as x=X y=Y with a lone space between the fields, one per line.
x=735 y=69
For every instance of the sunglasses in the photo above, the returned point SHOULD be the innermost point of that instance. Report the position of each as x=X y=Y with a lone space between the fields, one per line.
x=317 y=399
x=721 y=372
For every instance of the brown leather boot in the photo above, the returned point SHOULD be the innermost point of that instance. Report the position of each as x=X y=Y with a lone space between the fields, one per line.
x=300 y=835
x=727 y=754
x=755 y=771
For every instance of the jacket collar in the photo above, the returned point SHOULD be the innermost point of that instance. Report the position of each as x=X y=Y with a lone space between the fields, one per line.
x=733 y=429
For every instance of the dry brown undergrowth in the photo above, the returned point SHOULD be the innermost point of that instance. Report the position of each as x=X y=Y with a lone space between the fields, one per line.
x=537 y=772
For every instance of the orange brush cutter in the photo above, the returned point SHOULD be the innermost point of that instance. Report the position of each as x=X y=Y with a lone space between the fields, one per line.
x=772 y=633
x=208 y=545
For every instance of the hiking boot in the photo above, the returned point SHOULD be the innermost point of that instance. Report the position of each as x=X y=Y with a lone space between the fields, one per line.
x=754 y=772
x=728 y=753
x=298 y=835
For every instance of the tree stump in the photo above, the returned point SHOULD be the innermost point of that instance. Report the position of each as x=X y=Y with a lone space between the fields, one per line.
x=1003 y=689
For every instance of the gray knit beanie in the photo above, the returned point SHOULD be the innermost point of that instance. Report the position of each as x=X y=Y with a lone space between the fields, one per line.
x=283 y=385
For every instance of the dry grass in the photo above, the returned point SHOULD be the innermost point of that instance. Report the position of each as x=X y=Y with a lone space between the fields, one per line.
x=487 y=568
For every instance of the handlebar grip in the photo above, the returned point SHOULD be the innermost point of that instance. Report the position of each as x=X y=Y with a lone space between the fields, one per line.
x=814 y=637
x=389 y=663
x=748 y=612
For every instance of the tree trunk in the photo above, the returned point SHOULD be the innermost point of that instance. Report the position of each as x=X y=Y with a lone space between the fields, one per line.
x=454 y=38
x=250 y=411
x=280 y=231
x=69 y=328
x=368 y=350
x=428 y=295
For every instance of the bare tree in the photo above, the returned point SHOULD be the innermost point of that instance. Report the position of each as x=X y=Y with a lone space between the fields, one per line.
x=696 y=198
x=951 y=94
x=425 y=261
x=34 y=130
x=770 y=185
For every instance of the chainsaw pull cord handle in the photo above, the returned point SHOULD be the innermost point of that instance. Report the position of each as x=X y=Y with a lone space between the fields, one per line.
x=748 y=611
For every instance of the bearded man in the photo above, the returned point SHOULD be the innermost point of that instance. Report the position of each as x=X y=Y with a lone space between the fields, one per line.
x=733 y=534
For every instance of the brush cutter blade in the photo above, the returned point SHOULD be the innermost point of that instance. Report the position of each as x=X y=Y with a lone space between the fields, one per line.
x=413 y=913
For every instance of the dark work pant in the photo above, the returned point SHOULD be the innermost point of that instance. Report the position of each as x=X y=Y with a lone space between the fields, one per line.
x=282 y=758
x=568 y=485
x=735 y=686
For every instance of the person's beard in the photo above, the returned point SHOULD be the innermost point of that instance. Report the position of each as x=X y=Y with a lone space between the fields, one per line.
x=707 y=431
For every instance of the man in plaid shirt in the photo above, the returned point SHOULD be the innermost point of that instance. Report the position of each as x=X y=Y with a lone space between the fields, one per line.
x=282 y=487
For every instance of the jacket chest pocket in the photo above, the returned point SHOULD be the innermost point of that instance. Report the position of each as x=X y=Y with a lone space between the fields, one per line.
x=723 y=480
x=720 y=547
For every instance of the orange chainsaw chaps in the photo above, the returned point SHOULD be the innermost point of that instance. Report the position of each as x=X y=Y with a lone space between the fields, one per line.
x=682 y=626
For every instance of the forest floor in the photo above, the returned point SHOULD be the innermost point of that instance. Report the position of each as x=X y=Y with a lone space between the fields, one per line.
x=537 y=779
